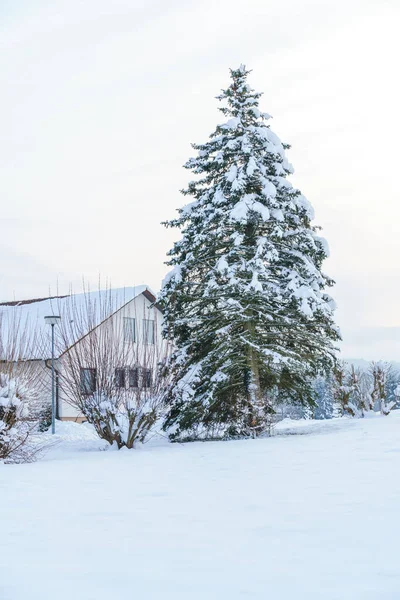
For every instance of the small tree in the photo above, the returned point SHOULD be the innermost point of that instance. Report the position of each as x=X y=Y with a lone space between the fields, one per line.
x=380 y=372
x=392 y=386
x=360 y=399
x=323 y=398
x=396 y=394
x=366 y=401
x=343 y=388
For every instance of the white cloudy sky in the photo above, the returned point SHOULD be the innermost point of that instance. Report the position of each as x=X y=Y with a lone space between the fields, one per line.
x=100 y=101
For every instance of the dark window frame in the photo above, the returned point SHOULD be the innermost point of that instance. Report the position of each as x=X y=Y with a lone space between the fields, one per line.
x=146 y=332
x=133 y=377
x=128 y=321
x=85 y=389
x=147 y=376
x=120 y=377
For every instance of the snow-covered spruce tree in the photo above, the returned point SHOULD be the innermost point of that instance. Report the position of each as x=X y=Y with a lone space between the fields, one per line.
x=324 y=402
x=308 y=412
x=393 y=387
x=245 y=301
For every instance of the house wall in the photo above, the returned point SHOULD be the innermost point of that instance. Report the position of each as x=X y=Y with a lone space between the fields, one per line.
x=121 y=353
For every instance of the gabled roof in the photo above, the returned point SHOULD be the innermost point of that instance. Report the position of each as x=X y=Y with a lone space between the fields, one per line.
x=31 y=301
x=22 y=323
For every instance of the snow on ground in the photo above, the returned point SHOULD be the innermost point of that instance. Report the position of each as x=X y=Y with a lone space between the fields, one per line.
x=312 y=516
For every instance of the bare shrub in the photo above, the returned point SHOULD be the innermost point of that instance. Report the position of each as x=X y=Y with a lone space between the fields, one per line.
x=110 y=376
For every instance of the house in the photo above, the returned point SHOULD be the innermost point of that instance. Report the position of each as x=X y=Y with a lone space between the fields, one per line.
x=107 y=338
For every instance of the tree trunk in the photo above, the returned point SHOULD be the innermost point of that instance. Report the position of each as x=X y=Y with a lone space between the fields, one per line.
x=254 y=389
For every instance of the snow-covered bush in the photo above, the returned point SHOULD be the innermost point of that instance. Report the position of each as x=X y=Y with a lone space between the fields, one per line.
x=123 y=419
x=44 y=416
x=22 y=388
x=15 y=426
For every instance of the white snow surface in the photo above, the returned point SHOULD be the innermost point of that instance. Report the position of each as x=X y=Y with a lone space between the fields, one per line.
x=311 y=513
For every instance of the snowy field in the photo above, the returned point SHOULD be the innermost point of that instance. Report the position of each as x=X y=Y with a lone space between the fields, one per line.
x=312 y=513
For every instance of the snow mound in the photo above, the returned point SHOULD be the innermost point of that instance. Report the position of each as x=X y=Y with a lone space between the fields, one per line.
x=72 y=437
x=308 y=426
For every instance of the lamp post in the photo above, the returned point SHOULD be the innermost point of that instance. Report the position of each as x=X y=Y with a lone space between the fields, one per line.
x=52 y=320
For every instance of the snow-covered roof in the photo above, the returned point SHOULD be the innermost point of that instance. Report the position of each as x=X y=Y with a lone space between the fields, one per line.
x=24 y=333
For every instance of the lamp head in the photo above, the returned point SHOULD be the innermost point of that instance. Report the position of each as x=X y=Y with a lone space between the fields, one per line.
x=52 y=320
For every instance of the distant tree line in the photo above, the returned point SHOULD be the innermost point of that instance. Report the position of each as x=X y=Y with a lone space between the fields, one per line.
x=354 y=392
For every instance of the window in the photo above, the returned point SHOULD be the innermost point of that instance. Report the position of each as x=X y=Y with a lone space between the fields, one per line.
x=146 y=378
x=133 y=378
x=129 y=330
x=88 y=381
x=120 y=378
x=148 y=331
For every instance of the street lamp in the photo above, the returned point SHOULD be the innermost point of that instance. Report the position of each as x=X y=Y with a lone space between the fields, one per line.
x=52 y=320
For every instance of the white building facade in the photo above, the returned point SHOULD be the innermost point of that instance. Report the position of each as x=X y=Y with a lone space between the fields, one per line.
x=108 y=339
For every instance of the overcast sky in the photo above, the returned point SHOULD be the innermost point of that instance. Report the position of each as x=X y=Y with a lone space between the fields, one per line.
x=99 y=103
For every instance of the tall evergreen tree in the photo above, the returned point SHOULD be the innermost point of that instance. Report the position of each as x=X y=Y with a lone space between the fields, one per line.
x=245 y=301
